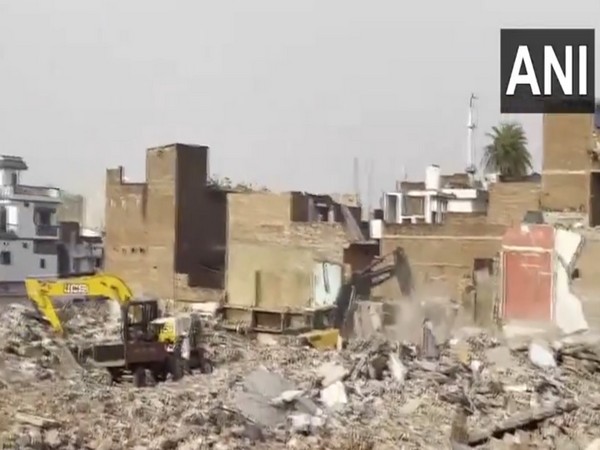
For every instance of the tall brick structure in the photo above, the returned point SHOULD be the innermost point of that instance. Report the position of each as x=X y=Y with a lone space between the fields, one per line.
x=571 y=167
x=166 y=236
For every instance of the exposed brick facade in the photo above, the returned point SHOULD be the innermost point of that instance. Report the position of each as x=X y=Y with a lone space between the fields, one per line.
x=440 y=255
x=511 y=200
x=166 y=237
x=263 y=240
x=568 y=140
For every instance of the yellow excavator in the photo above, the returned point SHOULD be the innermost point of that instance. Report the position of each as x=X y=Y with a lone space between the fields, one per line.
x=142 y=326
x=42 y=292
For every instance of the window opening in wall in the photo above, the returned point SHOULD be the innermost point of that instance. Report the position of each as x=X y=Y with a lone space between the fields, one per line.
x=42 y=263
x=3 y=219
x=133 y=250
x=43 y=217
x=142 y=250
x=5 y=258
x=25 y=245
x=26 y=204
x=14 y=179
x=322 y=213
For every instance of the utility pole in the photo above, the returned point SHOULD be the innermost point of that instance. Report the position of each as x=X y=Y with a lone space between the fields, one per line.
x=471 y=169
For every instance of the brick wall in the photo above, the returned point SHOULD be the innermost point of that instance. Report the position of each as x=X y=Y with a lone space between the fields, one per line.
x=566 y=162
x=476 y=218
x=152 y=228
x=264 y=244
x=510 y=201
x=440 y=255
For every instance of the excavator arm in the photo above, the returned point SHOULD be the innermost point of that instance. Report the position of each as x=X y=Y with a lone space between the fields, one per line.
x=42 y=292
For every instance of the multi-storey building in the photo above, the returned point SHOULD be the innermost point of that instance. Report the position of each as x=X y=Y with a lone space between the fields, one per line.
x=430 y=201
x=29 y=231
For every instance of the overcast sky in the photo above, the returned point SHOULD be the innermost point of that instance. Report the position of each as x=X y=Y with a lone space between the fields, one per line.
x=285 y=92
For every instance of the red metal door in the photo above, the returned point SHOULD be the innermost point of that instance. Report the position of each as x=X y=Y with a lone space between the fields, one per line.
x=527 y=285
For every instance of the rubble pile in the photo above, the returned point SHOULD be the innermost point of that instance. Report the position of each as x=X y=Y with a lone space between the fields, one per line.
x=472 y=391
x=31 y=350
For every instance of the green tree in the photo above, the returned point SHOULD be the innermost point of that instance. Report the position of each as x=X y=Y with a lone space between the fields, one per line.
x=507 y=154
x=228 y=184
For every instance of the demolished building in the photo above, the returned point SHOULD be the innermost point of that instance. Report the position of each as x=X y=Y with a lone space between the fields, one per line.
x=166 y=235
x=286 y=257
x=262 y=255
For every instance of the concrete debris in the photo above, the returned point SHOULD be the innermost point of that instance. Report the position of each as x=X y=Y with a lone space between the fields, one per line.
x=305 y=423
x=331 y=372
x=334 y=396
x=397 y=369
x=373 y=394
x=541 y=356
x=429 y=349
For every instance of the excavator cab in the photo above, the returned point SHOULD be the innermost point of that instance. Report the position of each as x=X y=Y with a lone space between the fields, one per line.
x=137 y=318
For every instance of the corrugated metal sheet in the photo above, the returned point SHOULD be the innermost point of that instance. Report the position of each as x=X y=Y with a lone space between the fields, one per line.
x=327 y=282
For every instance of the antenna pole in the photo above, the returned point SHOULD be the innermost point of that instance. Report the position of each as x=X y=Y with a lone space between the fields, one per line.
x=356 y=181
x=470 y=130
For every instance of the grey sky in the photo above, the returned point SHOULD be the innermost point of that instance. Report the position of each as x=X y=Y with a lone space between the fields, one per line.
x=284 y=92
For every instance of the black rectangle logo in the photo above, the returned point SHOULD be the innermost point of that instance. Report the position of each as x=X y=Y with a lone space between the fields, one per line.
x=547 y=71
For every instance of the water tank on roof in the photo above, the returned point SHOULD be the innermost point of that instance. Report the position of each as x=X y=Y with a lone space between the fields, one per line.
x=432 y=177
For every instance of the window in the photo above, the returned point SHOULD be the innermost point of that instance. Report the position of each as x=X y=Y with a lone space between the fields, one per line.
x=3 y=219
x=14 y=178
x=26 y=204
x=43 y=216
x=5 y=258
x=42 y=263
x=25 y=245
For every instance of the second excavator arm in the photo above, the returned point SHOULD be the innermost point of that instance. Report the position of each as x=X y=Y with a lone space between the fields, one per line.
x=42 y=292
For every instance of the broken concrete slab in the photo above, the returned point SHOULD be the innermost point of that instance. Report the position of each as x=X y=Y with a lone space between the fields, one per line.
x=287 y=397
x=305 y=423
x=261 y=387
x=334 y=396
x=331 y=372
x=541 y=355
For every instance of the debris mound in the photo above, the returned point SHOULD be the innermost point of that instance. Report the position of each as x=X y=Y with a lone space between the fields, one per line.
x=473 y=391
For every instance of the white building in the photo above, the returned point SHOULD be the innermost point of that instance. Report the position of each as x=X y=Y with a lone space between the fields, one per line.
x=29 y=231
x=80 y=252
x=431 y=204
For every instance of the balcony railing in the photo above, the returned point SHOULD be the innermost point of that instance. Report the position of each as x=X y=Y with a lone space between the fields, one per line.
x=33 y=191
x=47 y=230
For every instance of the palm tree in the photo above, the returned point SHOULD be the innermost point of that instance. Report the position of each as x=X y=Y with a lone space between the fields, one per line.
x=507 y=154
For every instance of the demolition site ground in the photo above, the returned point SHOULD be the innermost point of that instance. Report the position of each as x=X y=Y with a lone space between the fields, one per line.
x=470 y=389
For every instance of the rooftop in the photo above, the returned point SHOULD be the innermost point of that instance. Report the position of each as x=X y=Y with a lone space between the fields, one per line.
x=12 y=162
